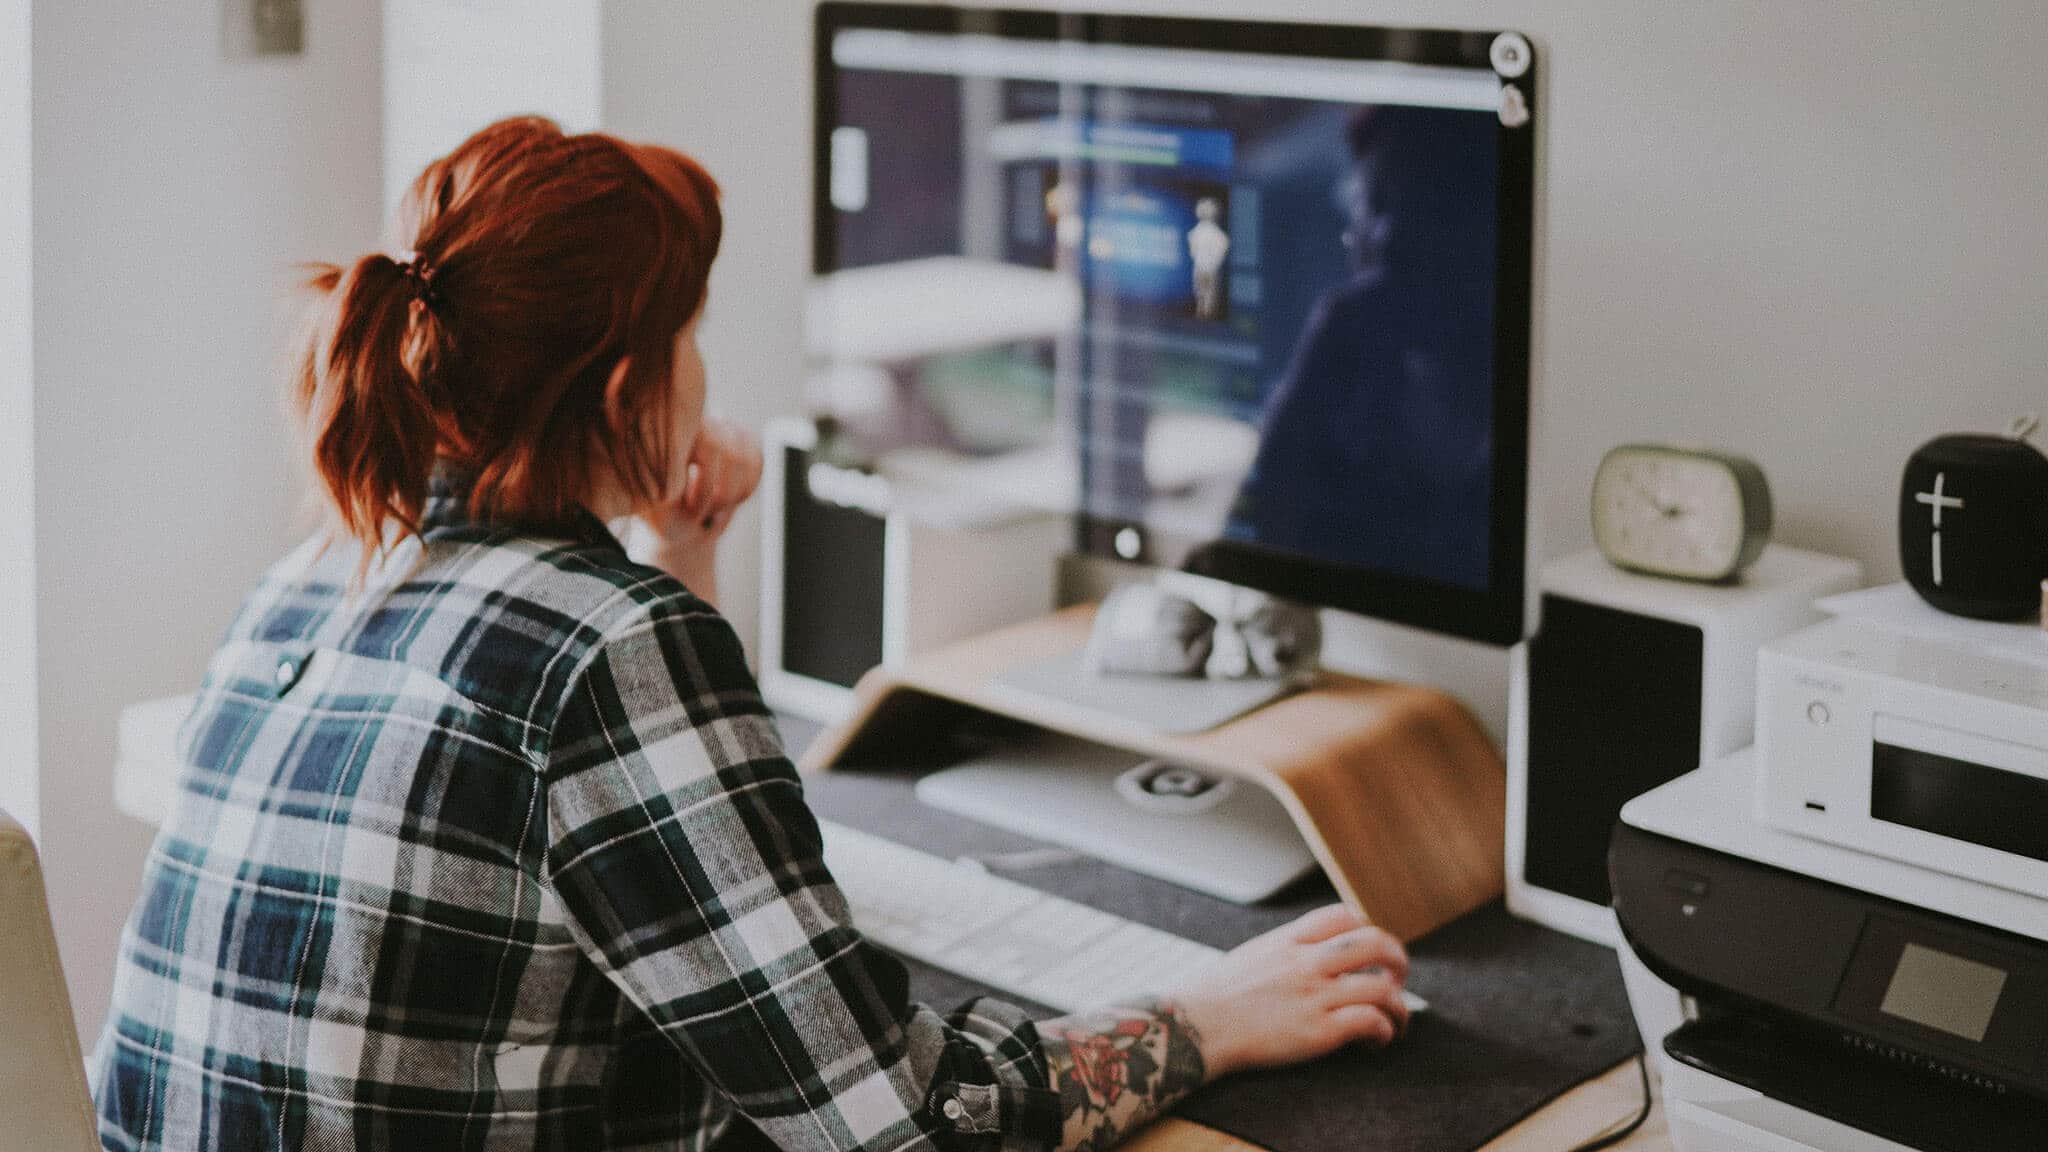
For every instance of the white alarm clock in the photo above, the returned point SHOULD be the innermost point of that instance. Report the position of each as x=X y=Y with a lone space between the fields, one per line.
x=1680 y=512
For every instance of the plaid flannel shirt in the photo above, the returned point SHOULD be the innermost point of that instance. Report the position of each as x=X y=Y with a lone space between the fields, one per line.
x=500 y=851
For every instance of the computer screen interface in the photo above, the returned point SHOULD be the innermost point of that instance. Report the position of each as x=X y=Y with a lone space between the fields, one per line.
x=1223 y=301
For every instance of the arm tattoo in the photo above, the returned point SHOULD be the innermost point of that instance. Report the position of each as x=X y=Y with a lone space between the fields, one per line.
x=1117 y=1068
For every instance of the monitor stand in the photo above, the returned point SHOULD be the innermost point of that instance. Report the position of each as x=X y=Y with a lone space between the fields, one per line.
x=1228 y=838
x=1169 y=705
x=1393 y=787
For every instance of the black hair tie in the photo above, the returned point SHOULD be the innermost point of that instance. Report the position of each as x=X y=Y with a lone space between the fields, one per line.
x=417 y=269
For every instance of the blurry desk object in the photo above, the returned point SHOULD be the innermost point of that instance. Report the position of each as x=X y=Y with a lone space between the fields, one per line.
x=872 y=334
x=895 y=314
x=146 y=782
x=1394 y=788
x=146 y=764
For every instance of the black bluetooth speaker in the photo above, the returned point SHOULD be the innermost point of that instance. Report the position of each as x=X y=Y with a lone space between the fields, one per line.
x=1973 y=525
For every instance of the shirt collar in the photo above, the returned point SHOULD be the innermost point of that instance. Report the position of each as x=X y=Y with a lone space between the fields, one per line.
x=447 y=508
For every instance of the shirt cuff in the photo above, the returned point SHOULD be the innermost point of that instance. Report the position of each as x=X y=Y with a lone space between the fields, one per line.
x=992 y=1090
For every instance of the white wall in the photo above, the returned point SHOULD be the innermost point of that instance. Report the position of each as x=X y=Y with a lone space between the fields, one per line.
x=18 y=784
x=453 y=66
x=174 y=192
x=1807 y=232
x=730 y=84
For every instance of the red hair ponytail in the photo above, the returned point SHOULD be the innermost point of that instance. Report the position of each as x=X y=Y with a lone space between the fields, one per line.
x=541 y=263
x=374 y=433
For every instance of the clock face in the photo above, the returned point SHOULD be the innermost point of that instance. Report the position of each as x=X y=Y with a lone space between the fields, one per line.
x=1674 y=513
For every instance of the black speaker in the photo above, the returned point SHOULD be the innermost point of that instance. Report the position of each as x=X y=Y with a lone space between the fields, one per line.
x=1614 y=711
x=832 y=584
x=1973 y=525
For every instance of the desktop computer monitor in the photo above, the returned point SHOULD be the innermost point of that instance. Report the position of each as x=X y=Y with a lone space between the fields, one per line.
x=1251 y=299
x=1248 y=299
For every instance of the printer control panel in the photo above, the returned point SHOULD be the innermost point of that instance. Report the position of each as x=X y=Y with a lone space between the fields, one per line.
x=1950 y=993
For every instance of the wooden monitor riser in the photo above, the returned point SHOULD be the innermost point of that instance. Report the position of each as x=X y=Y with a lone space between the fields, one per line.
x=1394 y=787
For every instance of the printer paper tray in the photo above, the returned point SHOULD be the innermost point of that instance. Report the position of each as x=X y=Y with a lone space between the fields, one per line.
x=1751 y=1122
x=1821 y=1072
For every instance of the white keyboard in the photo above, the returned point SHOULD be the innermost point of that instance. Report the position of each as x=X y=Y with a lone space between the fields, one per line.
x=1010 y=936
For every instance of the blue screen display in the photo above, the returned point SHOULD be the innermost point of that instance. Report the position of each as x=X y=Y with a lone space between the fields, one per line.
x=1283 y=325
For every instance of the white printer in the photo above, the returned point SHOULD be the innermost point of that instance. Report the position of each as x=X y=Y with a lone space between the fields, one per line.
x=1835 y=947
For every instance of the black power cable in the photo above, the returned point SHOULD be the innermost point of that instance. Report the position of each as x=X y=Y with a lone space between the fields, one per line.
x=1616 y=1137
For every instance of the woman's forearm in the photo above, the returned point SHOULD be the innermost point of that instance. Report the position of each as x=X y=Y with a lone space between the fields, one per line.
x=1117 y=1068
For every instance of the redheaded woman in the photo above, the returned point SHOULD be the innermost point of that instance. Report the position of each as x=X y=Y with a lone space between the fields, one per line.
x=484 y=837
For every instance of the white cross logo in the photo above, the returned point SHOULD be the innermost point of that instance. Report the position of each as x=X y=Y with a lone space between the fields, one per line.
x=1937 y=500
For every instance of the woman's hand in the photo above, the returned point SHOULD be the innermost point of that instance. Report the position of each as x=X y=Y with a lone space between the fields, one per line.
x=1301 y=991
x=723 y=470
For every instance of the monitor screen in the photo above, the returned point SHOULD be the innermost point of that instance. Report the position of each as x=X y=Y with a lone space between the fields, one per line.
x=1251 y=299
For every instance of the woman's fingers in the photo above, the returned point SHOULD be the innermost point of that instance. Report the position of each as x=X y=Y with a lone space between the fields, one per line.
x=711 y=497
x=1372 y=989
x=693 y=482
x=1362 y=948
x=725 y=468
x=1323 y=923
x=1364 y=1024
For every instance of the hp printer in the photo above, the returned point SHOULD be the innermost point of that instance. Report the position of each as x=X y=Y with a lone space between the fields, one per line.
x=1798 y=994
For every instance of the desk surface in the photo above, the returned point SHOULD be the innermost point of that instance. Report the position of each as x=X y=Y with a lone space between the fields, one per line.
x=1597 y=1106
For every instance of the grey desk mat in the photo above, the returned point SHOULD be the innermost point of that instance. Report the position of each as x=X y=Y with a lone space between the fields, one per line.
x=1519 y=1014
